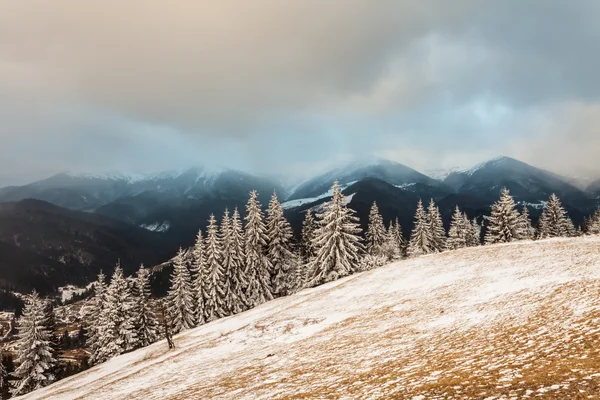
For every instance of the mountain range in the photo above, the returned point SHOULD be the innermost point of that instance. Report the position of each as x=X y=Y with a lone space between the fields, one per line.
x=66 y=228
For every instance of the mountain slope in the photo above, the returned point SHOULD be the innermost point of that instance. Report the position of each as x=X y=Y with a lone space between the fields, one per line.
x=505 y=321
x=526 y=183
x=391 y=172
x=44 y=246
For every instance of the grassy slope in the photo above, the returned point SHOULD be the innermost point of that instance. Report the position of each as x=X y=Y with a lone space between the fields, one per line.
x=508 y=321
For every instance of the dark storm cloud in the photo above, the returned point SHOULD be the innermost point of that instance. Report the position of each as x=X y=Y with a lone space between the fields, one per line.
x=147 y=85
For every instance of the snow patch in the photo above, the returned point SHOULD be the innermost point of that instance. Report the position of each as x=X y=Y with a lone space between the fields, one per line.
x=157 y=226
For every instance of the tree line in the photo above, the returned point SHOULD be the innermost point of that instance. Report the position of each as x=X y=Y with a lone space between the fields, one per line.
x=240 y=264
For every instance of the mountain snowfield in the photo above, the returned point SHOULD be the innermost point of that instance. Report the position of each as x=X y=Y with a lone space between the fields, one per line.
x=519 y=320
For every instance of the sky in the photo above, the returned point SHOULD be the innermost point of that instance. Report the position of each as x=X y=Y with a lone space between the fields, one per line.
x=292 y=87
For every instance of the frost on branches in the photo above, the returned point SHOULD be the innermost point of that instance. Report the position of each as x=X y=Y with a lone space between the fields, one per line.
x=216 y=285
x=35 y=355
x=280 y=249
x=237 y=256
x=180 y=298
x=420 y=239
x=436 y=228
x=525 y=229
x=199 y=278
x=504 y=221
x=554 y=221
x=376 y=232
x=229 y=265
x=337 y=241
x=94 y=314
x=258 y=267
x=459 y=227
x=145 y=322
x=308 y=235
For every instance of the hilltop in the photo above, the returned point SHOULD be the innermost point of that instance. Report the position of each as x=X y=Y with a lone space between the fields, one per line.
x=506 y=321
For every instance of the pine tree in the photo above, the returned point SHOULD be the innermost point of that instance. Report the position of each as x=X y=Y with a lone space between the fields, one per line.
x=436 y=228
x=258 y=267
x=239 y=281
x=229 y=264
x=280 y=249
x=35 y=355
x=199 y=278
x=216 y=288
x=308 y=236
x=525 y=229
x=145 y=322
x=503 y=226
x=593 y=224
x=458 y=232
x=4 y=386
x=181 y=296
x=554 y=221
x=420 y=238
x=376 y=232
x=399 y=238
x=97 y=323
x=337 y=241
x=391 y=249
x=119 y=312
x=473 y=232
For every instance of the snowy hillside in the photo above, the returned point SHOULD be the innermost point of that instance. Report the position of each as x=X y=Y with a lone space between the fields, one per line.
x=518 y=320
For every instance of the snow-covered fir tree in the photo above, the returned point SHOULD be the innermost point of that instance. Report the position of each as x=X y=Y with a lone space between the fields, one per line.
x=120 y=334
x=198 y=278
x=216 y=285
x=237 y=256
x=398 y=237
x=593 y=224
x=35 y=356
x=554 y=221
x=459 y=230
x=145 y=321
x=258 y=267
x=96 y=320
x=525 y=228
x=504 y=222
x=473 y=232
x=420 y=238
x=376 y=232
x=436 y=228
x=229 y=264
x=280 y=249
x=391 y=249
x=4 y=385
x=308 y=235
x=337 y=241
x=180 y=298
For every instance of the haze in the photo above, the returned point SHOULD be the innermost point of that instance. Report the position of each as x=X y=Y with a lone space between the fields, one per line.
x=289 y=87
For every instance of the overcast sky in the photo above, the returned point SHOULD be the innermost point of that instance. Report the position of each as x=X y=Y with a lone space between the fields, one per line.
x=273 y=86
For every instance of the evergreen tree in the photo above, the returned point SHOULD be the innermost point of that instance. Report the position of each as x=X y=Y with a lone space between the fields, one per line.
x=459 y=230
x=337 y=241
x=35 y=355
x=230 y=264
x=391 y=249
x=420 y=238
x=119 y=312
x=4 y=386
x=593 y=224
x=554 y=221
x=308 y=236
x=216 y=288
x=376 y=232
x=473 y=232
x=436 y=228
x=181 y=296
x=503 y=226
x=258 y=267
x=399 y=238
x=525 y=229
x=280 y=249
x=239 y=281
x=96 y=320
x=146 y=323
x=199 y=283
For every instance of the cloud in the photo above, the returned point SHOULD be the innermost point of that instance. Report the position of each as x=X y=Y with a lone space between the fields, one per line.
x=155 y=84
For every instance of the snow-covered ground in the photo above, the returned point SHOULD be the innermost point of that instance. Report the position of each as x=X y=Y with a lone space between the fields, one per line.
x=511 y=321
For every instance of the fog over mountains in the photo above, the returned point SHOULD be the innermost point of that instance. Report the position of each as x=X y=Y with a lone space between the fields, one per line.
x=72 y=225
